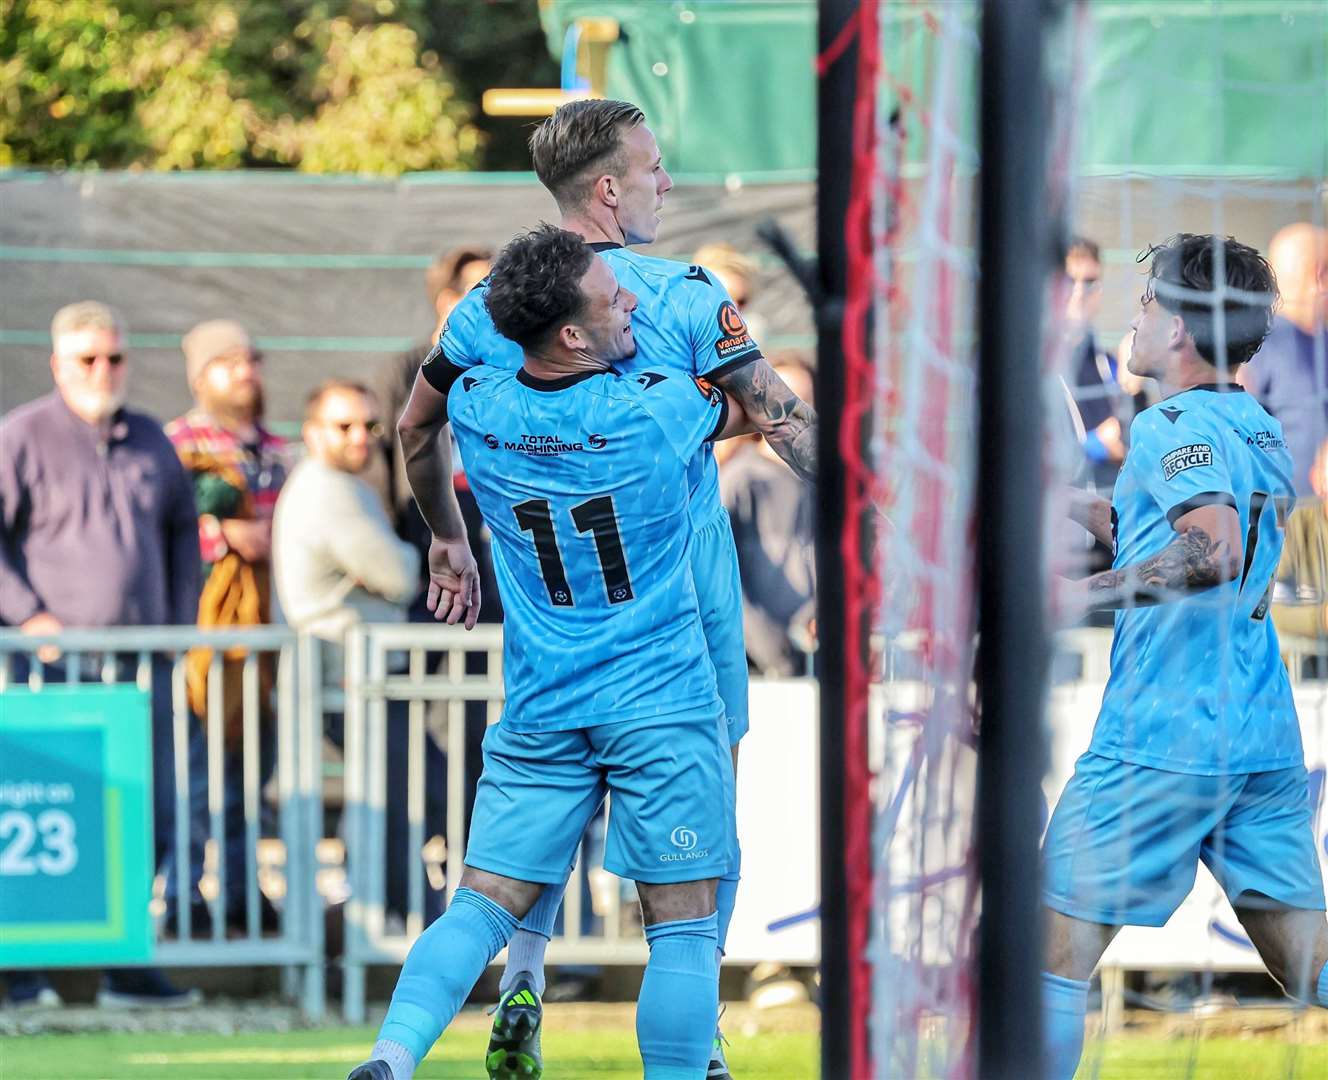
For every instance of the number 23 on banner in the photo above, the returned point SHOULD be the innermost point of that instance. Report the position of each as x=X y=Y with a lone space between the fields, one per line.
x=43 y=844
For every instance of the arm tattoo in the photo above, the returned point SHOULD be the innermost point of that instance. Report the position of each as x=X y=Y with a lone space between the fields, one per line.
x=787 y=422
x=1190 y=563
x=1094 y=514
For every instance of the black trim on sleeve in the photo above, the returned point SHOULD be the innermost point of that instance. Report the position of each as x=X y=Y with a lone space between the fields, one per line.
x=1204 y=498
x=439 y=372
x=733 y=365
x=723 y=417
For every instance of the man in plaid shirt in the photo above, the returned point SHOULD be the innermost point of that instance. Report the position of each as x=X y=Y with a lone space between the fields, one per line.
x=237 y=467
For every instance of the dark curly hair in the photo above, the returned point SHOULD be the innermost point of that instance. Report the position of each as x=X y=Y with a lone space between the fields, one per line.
x=1181 y=279
x=581 y=137
x=535 y=284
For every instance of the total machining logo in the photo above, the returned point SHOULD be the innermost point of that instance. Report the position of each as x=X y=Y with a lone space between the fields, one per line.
x=685 y=840
x=1266 y=440
x=545 y=445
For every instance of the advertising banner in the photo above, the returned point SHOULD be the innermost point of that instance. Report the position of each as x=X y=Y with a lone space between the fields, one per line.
x=75 y=826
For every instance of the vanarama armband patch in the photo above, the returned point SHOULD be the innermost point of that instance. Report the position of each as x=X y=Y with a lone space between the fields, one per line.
x=1186 y=457
x=735 y=338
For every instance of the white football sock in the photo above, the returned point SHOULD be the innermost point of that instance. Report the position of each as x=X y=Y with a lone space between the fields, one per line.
x=525 y=952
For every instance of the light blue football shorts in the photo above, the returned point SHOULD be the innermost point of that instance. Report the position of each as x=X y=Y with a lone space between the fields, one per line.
x=1124 y=840
x=719 y=594
x=671 y=799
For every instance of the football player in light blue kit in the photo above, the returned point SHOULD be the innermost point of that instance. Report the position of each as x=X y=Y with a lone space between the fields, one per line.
x=1196 y=754
x=601 y=163
x=581 y=473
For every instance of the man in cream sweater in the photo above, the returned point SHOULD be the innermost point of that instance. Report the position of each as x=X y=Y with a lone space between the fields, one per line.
x=338 y=562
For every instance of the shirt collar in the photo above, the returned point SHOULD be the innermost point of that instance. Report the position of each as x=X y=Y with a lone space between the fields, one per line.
x=525 y=378
x=1212 y=388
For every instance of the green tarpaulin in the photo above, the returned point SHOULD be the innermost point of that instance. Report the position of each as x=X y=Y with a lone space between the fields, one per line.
x=1186 y=86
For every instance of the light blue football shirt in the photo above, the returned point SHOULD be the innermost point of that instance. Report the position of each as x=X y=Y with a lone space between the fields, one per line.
x=1198 y=685
x=583 y=482
x=684 y=321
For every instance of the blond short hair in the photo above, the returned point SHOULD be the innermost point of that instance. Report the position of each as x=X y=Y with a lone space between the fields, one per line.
x=580 y=142
x=86 y=315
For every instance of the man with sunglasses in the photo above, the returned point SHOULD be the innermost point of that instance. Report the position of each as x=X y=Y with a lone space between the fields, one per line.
x=338 y=561
x=97 y=529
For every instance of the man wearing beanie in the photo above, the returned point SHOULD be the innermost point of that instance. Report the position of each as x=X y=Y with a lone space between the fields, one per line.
x=237 y=467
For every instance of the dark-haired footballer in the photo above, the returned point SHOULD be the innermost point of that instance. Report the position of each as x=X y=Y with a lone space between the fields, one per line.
x=600 y=161
x=582 y=474
x=1196 y=754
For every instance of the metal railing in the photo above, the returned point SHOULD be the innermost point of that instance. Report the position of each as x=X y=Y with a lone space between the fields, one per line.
x=140 y=655
x=424 y=668
x=438 y=682
x=1084 y=655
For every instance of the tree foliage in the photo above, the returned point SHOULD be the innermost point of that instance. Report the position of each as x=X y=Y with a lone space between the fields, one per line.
x=491 y=43
x=321 y=85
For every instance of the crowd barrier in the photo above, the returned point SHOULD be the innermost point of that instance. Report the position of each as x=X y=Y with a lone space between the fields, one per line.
x=153 y=659
x=439 y=683
x=424 y=669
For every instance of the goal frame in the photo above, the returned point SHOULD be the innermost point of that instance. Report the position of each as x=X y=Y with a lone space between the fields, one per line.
x=1016 y=253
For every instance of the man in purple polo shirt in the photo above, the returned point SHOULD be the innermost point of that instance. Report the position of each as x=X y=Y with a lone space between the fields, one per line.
x=97 y=528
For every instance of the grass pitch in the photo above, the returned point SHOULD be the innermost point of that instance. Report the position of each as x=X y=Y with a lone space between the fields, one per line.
x=597 y=1042
x=332 y=1053
x=581 y=1042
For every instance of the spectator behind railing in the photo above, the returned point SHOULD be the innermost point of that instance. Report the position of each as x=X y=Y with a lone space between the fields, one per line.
x=99 y=530
x=237 y=467
x=772 y=512
x=338 y=562
x=448 y=279
x=1300 y=590
x=1103 y=389
x=1289 y=374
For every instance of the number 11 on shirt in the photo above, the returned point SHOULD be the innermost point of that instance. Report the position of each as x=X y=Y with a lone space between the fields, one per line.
x=596 y=516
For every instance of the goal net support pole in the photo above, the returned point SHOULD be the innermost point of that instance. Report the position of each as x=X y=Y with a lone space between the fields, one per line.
x=835 y=107
x=1015 y=252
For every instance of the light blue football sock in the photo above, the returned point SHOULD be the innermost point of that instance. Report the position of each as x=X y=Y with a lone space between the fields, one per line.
x=442 y=968
x=1321 y=990
x=525 y=952
x=675 y=1014
x=1064 y=1005
x=726 y=895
